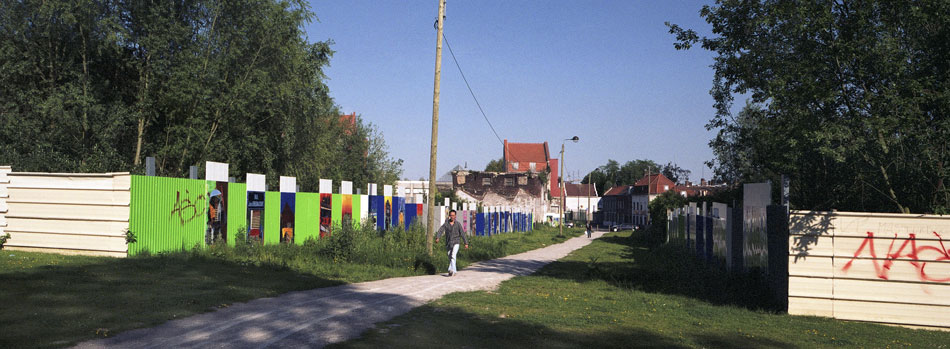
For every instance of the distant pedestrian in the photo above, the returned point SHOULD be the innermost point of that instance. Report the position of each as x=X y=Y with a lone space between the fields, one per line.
x=590 y=228
x=453 y=235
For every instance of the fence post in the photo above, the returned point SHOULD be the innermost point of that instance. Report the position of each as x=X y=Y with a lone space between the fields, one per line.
x=700 y=234
x=736 y=244
x=777 y=223
x=150 y=166
x=708 y=230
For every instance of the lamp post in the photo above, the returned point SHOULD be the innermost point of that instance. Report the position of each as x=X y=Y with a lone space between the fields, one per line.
x=563 y=192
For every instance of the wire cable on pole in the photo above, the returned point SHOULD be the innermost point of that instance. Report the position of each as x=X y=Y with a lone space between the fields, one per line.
x=470 y=88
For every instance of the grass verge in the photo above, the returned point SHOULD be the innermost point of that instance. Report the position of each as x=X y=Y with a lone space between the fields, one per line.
x=617 y=292
x=49 y=300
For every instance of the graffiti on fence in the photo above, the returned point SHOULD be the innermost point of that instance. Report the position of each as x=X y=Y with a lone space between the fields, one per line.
x=187 y=208
x=912 y=254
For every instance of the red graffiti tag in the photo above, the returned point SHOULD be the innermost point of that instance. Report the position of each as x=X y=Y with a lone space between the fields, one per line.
x=912 y=254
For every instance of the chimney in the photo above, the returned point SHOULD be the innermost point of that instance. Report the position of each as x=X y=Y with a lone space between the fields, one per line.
x=702 y=182
x=689 y=184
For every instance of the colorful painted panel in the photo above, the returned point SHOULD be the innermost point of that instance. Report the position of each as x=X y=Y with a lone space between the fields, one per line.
x=380 y=213
x=307 y=223
x=387 y=212
x=166 y=214
x=217 y=228
x=347 y=210
x=480 y=224
x=410 y=215
x=364 y=210
x=336 y=216
x=237 y=215
x=496 y=223
x=399 y=209
x=288 y=207
x=271 y=218
x=326 y=213
x=255 y=216
x=463 y=219
x=357 y=211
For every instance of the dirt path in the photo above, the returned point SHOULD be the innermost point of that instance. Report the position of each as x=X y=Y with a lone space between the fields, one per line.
x=322 y=316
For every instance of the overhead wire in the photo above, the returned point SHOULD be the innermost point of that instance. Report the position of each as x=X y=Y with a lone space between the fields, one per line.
x=470 y=88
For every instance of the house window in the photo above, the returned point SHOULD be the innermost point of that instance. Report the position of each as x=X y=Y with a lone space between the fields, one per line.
x=533 y=167
x=666 y=187
x=514 y=165
x=523 y=180
x=486 y=181
x=509 y=182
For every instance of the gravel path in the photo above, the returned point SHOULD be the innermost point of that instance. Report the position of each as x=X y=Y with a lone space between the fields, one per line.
x=322 y=316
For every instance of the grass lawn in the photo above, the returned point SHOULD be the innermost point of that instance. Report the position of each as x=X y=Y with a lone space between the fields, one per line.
x=49 y=300
x=617 y=292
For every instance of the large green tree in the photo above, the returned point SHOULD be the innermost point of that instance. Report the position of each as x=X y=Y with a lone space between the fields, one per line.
x=97 y=85
x=614 y=174
x=849 y=98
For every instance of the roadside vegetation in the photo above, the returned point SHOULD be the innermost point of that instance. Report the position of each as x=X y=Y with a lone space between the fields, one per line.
x=618 y=292
x=51 y=300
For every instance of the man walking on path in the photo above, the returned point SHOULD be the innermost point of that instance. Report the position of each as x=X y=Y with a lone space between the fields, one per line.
x=453 y=233
x=590 y=229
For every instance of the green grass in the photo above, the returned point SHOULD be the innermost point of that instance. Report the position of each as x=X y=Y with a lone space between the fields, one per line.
x=618 y=292
x=49 y=300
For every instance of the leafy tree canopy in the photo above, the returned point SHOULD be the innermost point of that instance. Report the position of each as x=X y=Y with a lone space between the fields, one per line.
x=497 y=165
x=848 y=98
x=613 y=174
x=97 y=85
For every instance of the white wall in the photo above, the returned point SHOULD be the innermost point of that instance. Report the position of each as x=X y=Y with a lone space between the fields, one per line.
x=886 y=268
x=4 y=194
x=68 y=212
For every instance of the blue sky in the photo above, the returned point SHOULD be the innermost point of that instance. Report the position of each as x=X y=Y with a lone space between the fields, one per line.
x=605 y=71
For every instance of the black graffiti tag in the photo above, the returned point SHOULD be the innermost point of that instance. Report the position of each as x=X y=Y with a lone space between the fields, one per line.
x=187 y=209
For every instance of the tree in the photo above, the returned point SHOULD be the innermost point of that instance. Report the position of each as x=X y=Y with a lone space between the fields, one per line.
x=613 y=174
x=95 y=86
x=658 y=208
x=675 y=173
x=847 y=98
x=497 y=165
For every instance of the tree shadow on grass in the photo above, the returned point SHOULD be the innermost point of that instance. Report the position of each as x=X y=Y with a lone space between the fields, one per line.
x=58 y=305
x=440 y=327
x=669 y=269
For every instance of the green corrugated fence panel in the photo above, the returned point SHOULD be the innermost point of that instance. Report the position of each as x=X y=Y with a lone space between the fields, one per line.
x=272 y=218
x=307 y=218
x=336 y=215
x=167 y=214
x=356 y=211
x=237 y=211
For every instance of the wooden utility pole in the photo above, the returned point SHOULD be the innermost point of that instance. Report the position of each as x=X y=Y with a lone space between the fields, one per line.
x=435 y=127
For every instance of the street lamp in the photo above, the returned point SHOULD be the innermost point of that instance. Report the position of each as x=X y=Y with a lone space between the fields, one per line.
x=563 y=192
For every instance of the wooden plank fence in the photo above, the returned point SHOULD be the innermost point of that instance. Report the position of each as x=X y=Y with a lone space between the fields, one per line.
x=885 y=268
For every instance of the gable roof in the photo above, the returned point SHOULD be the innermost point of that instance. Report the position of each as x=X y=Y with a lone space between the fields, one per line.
x=655 y=182
x=574 y=189
x=525 y=153
x=618 y=190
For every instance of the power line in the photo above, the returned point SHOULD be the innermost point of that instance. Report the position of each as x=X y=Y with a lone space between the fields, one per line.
x=470 y=89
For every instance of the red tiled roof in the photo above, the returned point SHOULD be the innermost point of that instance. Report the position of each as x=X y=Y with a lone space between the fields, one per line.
x=655 y=181
x=580 y=189
x=619 y=190
x=524 y=154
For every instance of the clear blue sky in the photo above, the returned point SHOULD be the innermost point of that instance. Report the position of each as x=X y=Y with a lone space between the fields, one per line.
x=605 y=71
